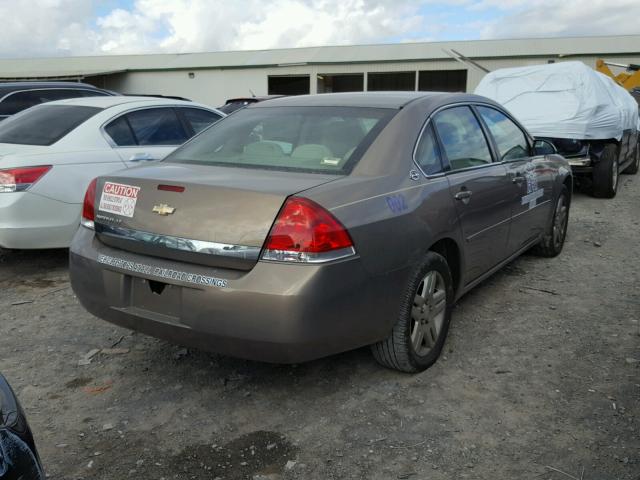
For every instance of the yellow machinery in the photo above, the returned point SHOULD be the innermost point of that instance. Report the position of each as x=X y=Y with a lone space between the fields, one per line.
x=629 y=79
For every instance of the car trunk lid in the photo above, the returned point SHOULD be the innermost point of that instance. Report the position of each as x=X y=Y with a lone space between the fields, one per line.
x=11 y=149
x=216 y=216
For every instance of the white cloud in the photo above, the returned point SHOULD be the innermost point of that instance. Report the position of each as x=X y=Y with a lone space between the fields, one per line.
x=251 y=24
x=550 y=18
x=70 y=27
x=53 y=27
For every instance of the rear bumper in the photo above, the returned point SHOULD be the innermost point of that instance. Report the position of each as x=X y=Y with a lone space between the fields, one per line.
x=275 y=312
x=32 y=221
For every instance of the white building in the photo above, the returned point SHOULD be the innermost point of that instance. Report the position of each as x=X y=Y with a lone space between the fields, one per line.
x=211 y=78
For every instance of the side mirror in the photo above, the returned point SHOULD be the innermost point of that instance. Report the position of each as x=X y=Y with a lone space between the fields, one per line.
x=544 y=147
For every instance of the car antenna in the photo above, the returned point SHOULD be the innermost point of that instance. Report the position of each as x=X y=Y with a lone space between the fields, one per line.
x=252 y=94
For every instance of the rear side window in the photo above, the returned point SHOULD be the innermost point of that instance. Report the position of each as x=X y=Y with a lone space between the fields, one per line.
x=157 y=126
x=462 y=138
x=16 y=102
x=314 y=139
x=120 y=132
x=428 y=154
x=512 y=142
x=199 y=119
x=44 y=125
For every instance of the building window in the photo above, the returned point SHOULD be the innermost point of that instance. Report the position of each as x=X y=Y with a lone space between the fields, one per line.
x=396 y=81
x=348 y=82
x=289 y=85
x=442 y=81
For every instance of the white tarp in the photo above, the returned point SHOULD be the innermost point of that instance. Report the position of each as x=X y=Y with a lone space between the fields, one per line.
x=563 y=100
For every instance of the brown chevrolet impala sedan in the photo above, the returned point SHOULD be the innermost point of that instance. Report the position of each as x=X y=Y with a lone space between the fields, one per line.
x=306 y=226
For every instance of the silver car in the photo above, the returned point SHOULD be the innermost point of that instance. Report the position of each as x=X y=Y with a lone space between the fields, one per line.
x=306 y=226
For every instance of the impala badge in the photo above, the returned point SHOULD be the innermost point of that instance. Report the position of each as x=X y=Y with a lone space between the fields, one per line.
x=163 y=209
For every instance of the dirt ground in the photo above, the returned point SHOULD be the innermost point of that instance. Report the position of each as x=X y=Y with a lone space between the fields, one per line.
x=540 y=379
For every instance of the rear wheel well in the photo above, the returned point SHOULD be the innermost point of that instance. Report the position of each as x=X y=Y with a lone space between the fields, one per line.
x=568 y=182
x=448 y=248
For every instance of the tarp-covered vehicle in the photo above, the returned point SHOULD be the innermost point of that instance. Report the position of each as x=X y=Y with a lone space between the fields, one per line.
x=588 y=118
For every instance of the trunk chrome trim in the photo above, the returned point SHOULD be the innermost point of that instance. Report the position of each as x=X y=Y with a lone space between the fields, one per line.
x=170 y=242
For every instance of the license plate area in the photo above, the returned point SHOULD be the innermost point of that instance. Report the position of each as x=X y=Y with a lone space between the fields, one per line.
x=155 y=296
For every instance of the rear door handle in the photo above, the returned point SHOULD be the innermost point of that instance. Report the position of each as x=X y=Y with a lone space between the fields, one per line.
x=518 y=179
x=463 y=195
x=141 y=157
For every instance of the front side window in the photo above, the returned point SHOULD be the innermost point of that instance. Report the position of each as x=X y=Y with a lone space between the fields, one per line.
x=462 y=138
x=199 y=119
x=316 y=139
x=428 y=154
x=511 y=141
x=44 y=125
x=156 y=126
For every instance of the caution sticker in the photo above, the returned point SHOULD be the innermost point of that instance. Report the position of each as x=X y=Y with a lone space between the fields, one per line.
x=119 y=199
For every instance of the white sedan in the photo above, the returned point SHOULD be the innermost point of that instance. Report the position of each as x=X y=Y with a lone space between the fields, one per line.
x=50 y=152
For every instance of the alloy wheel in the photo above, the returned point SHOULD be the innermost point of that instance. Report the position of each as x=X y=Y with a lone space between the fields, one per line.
x=428 y=312
x=560 y=222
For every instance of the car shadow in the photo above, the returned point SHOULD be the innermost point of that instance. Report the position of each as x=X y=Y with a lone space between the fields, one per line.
x=19 y=265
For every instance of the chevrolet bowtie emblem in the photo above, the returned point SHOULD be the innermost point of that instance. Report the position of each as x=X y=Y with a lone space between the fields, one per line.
x=163 y=209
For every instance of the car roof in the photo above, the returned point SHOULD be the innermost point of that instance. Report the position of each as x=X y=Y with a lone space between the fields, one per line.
x=8 y=87
x=395 y=100
x=108 y=102
x=352 y=99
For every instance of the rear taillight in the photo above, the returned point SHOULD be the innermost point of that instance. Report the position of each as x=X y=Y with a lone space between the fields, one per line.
x=19 y=179
x=305 y=232
x=88 y=207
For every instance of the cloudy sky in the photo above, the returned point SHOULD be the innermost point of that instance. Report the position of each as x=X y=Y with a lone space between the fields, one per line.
x=86 y=27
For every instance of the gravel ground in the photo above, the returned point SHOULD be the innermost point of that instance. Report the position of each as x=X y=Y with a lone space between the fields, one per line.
x=540 y=376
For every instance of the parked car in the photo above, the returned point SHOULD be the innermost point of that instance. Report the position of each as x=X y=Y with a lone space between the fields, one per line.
x=589 y=119
x=18 y=454
x=234 y=104
x=318 y=224
x=50 y=153
x=18 y=96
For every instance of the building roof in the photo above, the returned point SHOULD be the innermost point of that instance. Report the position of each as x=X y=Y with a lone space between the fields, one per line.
x=80 y=67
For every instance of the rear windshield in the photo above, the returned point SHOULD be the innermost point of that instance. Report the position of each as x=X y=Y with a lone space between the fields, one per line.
x=44 y=124
x=307 y=139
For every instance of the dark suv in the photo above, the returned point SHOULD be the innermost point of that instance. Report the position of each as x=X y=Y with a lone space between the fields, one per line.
x=234 y=104
x=18 y=96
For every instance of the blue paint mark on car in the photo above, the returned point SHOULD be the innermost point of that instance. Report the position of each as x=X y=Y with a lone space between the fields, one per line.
x=396 y=203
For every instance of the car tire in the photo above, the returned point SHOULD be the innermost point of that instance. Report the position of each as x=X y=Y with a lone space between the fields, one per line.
x=419 y=334
x=553 y=239
x=633 y=168
x=605 y=173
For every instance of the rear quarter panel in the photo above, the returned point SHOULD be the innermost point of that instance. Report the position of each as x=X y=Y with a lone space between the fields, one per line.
x=71 y=173
x=392 y=219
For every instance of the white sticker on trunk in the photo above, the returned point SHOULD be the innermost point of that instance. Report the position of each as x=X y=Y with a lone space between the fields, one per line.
x=119 y=199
